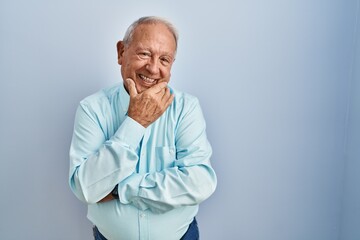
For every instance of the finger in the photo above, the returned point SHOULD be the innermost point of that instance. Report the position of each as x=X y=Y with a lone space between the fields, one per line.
x=158 y=87
x=166 y=94
x=169 y=100
x=131 y=87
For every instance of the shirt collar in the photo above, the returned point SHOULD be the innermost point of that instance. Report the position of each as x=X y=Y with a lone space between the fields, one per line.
x=124 y=98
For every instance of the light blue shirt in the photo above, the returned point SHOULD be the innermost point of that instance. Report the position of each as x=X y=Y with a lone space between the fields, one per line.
x=163 y=171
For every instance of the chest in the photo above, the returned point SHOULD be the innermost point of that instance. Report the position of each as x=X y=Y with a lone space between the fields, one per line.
x=157 y=149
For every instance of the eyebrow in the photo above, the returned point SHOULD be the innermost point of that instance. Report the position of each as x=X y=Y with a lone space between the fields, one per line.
x=139 y=48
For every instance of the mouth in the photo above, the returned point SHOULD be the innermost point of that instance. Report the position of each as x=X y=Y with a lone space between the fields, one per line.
x=147 y=80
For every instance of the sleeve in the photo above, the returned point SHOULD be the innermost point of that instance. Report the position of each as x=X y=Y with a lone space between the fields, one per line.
x=97 y=164
x=190 y=182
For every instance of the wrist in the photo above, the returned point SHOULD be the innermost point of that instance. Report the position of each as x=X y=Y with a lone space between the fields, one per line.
x=115 y=193
x=140 y=121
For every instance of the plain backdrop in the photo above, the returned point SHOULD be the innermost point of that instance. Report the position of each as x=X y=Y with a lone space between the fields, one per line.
x=278 y=82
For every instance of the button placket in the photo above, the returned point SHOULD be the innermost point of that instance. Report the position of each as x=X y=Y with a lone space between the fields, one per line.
x=143 y=225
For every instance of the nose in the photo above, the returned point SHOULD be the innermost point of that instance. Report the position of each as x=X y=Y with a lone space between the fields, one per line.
x=152 y=66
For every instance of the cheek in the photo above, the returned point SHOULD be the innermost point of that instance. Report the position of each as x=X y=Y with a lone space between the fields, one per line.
x=166 y=73
x=128 y=69
x=136 y=65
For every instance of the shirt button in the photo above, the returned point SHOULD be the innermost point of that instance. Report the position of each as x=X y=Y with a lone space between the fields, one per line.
x=142 y=215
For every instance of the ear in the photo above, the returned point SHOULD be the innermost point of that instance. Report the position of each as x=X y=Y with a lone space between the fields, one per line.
x=120 y=51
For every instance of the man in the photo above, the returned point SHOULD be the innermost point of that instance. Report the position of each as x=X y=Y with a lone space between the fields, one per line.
x=139 y=155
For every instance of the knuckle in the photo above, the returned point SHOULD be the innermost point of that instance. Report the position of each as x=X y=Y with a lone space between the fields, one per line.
x=147 y=96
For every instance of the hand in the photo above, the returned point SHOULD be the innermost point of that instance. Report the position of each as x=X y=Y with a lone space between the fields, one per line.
x=149 y=105
x=107 y=198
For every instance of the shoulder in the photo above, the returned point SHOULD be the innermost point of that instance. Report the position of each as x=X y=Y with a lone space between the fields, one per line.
x=100 y=100
x=185 y=106
x=184 y=100
x=188 y=114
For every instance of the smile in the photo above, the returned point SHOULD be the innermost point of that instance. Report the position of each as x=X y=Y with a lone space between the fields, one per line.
x=147 y=79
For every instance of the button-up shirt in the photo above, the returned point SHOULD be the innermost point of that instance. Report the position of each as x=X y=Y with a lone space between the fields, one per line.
x=163 y=171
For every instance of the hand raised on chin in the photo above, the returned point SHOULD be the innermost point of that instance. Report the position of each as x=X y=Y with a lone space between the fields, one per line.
x=149 y=105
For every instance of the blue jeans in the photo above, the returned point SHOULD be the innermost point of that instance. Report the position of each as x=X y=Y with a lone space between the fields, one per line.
x=191 y=234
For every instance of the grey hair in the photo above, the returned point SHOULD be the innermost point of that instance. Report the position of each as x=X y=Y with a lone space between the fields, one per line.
x=150 y=20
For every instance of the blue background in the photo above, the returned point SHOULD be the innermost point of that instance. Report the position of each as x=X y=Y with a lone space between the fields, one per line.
x=279 y=84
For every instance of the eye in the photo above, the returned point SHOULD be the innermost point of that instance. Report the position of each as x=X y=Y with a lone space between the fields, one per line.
x=165 y=61
x=144 y=54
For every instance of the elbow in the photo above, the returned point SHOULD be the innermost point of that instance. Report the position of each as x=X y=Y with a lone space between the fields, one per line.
x=80 y=192
x=86 y=198
x=212 y=184
x=212 y=180
x=208 y=185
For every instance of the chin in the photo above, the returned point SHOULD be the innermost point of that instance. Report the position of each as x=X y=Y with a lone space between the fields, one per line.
x=141 y=89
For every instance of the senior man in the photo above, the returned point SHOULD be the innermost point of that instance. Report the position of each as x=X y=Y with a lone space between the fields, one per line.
x=139 y=155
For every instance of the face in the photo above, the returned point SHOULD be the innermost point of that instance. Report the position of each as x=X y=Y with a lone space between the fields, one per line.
x=148 y=58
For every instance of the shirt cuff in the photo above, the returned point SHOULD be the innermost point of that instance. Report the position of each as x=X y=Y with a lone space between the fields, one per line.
x=130 y=132
x=129 y=188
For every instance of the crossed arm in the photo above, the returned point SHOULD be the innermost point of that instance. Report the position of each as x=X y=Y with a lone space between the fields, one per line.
x=189 y=182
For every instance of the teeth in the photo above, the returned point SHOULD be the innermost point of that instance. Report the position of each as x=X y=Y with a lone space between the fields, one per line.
x=146 y=79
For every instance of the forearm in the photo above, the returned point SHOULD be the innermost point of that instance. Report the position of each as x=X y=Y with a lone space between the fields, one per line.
x=189 y=182
x=169 y=189
x=96 y=176
x=96 y=164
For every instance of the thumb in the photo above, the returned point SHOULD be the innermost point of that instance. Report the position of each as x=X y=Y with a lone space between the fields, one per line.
x=131 y=87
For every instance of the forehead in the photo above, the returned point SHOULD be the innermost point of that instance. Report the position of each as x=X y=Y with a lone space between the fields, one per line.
x=153 y=36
